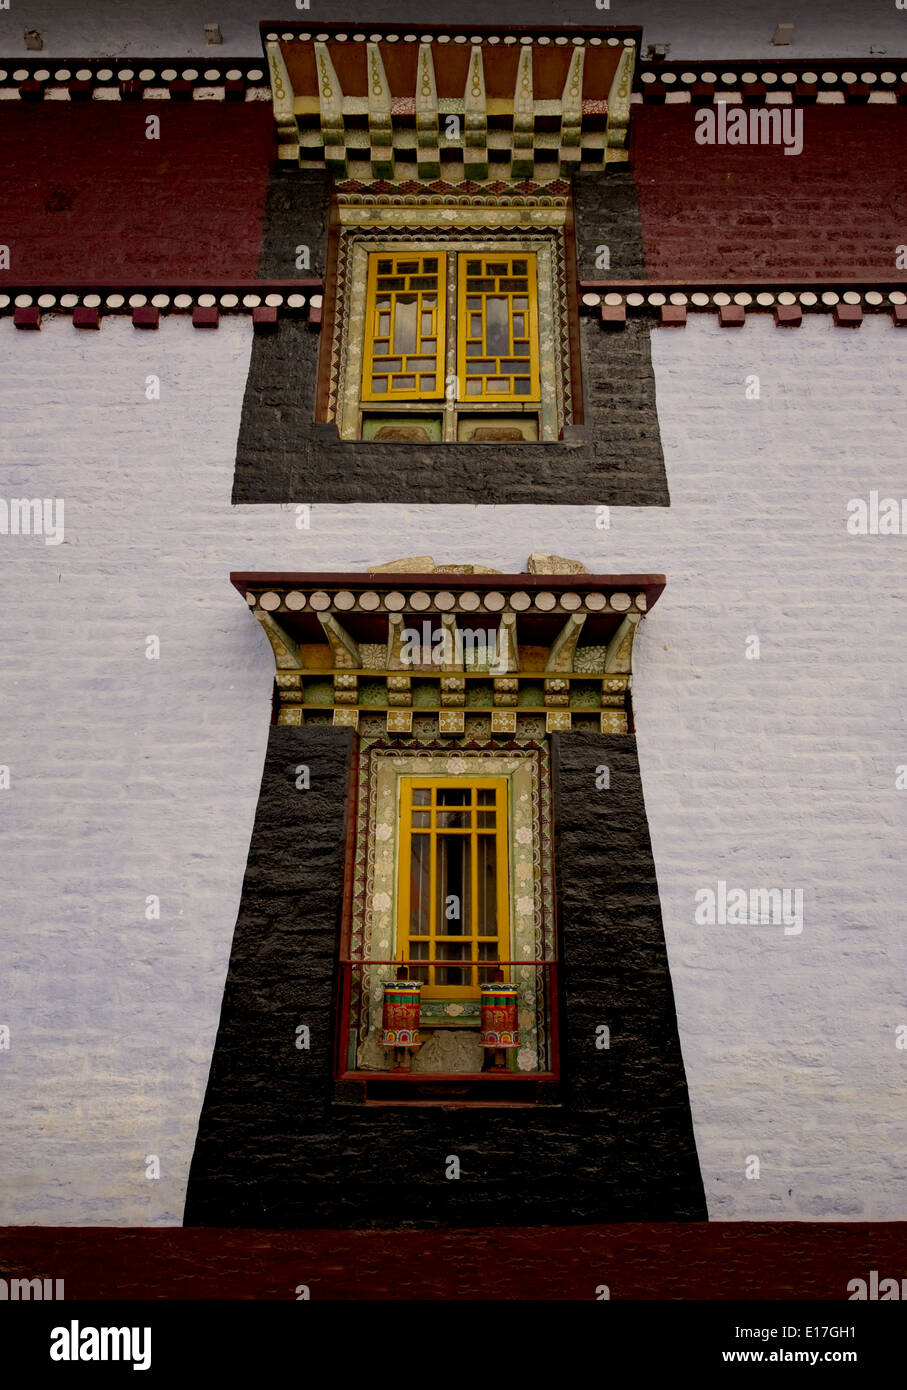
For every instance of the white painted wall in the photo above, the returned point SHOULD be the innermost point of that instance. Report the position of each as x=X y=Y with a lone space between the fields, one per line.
x=133 y=777
x=731 y=29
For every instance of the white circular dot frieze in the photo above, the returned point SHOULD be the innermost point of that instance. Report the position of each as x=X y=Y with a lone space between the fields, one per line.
x=269 y=601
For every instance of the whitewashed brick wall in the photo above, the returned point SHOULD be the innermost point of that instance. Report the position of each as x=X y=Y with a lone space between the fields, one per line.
x=133 y=777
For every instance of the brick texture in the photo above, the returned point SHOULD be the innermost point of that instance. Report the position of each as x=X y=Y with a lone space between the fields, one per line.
x=282 y=456
x=713 y=211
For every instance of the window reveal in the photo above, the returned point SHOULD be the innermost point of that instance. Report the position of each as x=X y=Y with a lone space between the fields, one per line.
x=453 y=909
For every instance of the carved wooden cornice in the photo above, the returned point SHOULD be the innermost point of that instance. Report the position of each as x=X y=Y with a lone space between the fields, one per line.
x=453 y=644
x=541 y=101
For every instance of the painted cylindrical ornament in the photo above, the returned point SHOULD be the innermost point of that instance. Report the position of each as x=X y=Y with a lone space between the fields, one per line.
x=500 y=1016
x=400 y=1022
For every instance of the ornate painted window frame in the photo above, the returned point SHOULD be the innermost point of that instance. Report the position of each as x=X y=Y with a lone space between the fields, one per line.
x=536 y=226
x=373 y=927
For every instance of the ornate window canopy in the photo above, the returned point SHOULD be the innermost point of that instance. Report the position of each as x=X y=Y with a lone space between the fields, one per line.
x=393 y=103
x=540 y=650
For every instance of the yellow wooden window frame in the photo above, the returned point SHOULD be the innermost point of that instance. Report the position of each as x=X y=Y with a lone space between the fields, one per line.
x=473 y=314
x=438 y=940
x=375 y=298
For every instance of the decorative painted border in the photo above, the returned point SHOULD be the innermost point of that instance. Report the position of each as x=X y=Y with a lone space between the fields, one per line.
x=610 y=300
x=801 y=82
x=135 y=79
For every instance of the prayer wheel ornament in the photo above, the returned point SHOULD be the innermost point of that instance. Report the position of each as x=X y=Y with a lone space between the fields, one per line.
x=500 y=1017
x=400 y=1022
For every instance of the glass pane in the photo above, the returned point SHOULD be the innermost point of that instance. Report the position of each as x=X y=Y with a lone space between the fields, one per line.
x=509 y=366
x=385 y=267
x=483 y=366
x=453 y=820
x=422 y=796
x=521 y=349
x=405 y=319
x=473 y=302
x=519 y=326
x=427 y=383
x=496 y=268
x=404 y=383
x=475 y=286
x=520 y=268
x=475 y=325
x=379 y=384
x=430 y=345
x=519 y=285
x=521 y=303
x=454 y=796
x=486 y=796
x=419 y=882
x=487 y=871
x=420 y=950
x=423 y=364
x=428 y=323
x=473 y=386
x=521 y=387
x=407 y=267
x=497 y=385
x=391 y=364
x=421 y=820
x=486 y=820
x=497 y=326
x=384 y=325
x=452 y=887
x=453 y=974
x=382 y=347
x=427 y=282
x=392 y=282
x=431 y=263
x=473 y=267
x=429 y=301
x=473 y=349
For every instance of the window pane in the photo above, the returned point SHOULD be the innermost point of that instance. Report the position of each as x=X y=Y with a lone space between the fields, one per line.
x=404 y=383
x=421 y=796
x=405 y=319
x=497 y=384
x=379 y=383
x=519 y=326
x=385 y=267
x=421 y=820
x=419 y=870
x=454 y=796
x=391 y=282
x=452 y=886
x=496 y=268
x=427 y=383
x=486 y=820
x=486 y=796
x=431 y=263
x=497 y=326
x=427 y=324
x=487 y=870
x=514 y=285
x=407 y=267
x=520 y=267
x=522 y=386
x=473 y=267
